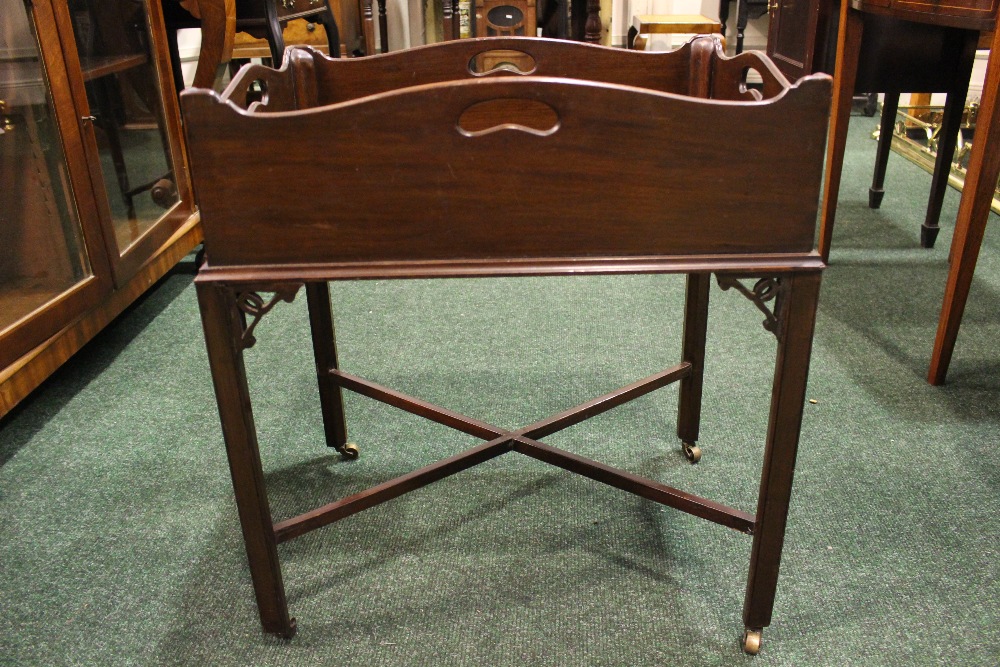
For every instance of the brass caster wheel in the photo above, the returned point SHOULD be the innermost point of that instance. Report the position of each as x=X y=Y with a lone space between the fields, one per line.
x=692 y=452
x=349 y=451
x=751 y=641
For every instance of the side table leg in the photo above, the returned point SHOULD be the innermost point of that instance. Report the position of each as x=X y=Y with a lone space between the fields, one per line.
x=223 y=328
x=951 y=125
x=846 y=73
x=325 y=352
x=742 y=18
x=787 y=398
x=693 y=350
x=973 y=212
x=630 y=38
x=889 y=108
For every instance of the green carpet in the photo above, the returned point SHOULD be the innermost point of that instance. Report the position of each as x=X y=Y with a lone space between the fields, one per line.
x=120 y=545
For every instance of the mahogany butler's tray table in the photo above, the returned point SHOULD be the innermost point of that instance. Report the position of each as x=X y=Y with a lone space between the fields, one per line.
x=403 y=166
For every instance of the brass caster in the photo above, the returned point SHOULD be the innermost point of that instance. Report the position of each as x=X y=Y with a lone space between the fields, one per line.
x=692 y=452
x=349 y=451
x=751 y=641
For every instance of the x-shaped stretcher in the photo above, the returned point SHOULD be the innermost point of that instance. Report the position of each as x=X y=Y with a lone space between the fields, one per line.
x=231 y=314
x=423 y=165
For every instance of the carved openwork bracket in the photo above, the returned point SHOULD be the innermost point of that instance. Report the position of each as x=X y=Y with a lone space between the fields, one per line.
x=763 y=291
x=251 y=303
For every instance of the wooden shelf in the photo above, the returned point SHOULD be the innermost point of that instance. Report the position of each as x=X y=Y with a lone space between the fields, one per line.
x=95 y=67
x=66 y=272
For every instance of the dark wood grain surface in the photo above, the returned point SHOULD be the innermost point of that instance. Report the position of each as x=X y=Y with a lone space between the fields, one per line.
x=672 y=194
x=597 y=161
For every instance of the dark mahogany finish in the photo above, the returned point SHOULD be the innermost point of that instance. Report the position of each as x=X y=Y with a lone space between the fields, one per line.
x=973 y=212
x=893 y=46
x=966 y=14
x=644 y=125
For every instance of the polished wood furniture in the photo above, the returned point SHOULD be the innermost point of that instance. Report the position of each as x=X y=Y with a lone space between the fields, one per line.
x=802 y=36
x=907 y=51
x=578 y=20
x=95 y=198
x=220 y=20
x=923 y=38
x=505 y=18
x=973 y=212
x=669 y=24
x=300 y=32
x=949 y=33
x=427 y=123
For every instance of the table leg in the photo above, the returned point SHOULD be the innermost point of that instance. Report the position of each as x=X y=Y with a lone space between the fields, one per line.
x=329 y=23
x=889 y=107
x=447 y=21
x=848 y=49
x=223 y=333
x=630 y=37
x=795 y=334
x=383 y=25
x=325 y=352
x=973 y=212
x=951 y=125
x=693 y=351
x=275 y=36
x=742 y=18
x=592 y=28
x=368 y=25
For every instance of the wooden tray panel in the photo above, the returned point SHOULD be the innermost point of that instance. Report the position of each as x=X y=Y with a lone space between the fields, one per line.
x=627 y=172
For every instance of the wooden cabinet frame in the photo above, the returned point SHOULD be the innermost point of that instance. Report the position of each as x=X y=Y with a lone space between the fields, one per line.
x=124 y=264
x=36 y=345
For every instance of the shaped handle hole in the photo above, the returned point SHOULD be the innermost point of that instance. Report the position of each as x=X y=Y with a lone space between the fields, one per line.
x=749 y=92
x=502 y=60
x=529 y=116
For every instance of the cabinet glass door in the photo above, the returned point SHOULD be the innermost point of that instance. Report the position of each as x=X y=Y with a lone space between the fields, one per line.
x=134 y=164
x=44 y=265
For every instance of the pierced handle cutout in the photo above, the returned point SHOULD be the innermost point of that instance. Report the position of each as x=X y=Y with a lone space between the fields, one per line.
x=502 y=60
x=746 y=91
x=249 y=89
x=529 y=116
x=257 y=92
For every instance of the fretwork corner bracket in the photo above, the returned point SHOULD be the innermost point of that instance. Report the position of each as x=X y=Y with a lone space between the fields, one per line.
x=251 y=303
x=765 y=290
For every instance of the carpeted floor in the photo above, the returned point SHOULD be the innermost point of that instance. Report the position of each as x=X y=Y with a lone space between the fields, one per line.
x=119 y=541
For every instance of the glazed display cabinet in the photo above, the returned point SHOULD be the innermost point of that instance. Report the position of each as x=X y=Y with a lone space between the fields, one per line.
x=95 y=201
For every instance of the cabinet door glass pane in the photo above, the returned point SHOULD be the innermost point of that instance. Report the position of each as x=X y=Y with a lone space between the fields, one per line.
x=41 y=242
x=112 y=37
